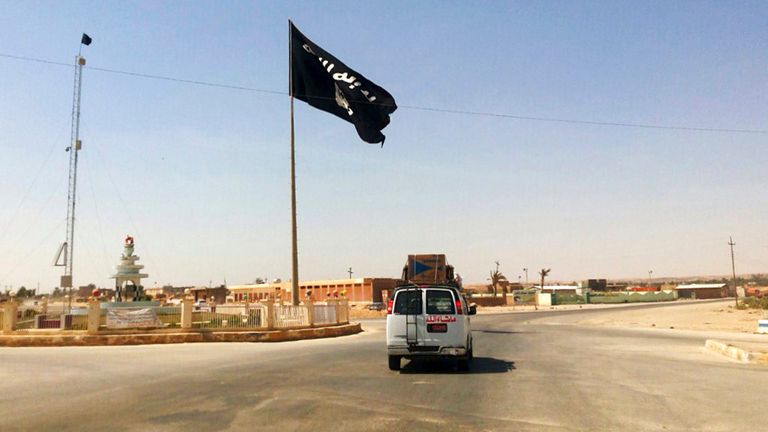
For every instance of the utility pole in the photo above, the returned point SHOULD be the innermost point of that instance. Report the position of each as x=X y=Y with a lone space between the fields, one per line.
x=349 y=270
x=733 y=269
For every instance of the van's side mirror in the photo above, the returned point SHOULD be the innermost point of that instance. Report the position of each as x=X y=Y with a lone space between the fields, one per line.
x=473 y=309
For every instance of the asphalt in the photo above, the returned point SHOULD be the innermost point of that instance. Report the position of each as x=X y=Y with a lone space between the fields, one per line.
x=532 y=371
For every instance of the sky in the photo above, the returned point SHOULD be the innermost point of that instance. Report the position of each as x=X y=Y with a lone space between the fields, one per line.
x=200 y=175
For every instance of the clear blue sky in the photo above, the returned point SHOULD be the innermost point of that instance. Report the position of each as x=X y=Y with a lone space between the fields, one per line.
x=200 y=175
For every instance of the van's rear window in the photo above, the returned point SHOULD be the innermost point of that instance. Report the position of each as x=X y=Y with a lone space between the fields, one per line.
x=440 y=302
x=408 y=302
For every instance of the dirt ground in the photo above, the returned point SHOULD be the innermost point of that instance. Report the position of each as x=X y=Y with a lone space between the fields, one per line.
x=684 y=315
x=687 y=315
x=357 y=312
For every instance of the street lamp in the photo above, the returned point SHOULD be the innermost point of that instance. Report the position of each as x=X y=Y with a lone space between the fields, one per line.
x=526 y=275
x=650 y=272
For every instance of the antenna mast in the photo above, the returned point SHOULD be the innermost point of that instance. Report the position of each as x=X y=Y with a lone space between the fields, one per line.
x=74 y=148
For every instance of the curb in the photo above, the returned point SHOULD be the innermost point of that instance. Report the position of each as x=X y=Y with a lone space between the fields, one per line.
x=739 y=354
x=83 y=339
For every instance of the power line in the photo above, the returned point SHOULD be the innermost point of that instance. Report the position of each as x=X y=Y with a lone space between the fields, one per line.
x=412 y=107
x=586 y=122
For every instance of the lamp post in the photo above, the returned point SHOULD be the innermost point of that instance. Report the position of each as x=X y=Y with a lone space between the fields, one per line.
x=650 y=272
x=526 y=275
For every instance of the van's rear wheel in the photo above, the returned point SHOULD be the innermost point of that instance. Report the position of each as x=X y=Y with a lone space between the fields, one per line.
x=394 y=362
x=463 y=363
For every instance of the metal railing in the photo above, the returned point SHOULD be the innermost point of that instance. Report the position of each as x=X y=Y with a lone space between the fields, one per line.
x=54 y=310
x=290 y=316
x=343 y=313
x=26 y=318
x=324 y=314
x=169 y=316
x=79 y=322
x=233 y=318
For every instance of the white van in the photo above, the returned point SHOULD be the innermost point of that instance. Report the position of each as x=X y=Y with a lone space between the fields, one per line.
x=428 y=321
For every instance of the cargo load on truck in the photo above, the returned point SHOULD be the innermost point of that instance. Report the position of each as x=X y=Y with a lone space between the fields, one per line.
x=428 y=269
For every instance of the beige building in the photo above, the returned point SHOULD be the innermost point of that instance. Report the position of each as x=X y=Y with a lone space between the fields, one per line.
x=166 y=290
x=360 y=290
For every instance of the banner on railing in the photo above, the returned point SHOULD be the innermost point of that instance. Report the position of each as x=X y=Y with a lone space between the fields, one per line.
x=132 y=318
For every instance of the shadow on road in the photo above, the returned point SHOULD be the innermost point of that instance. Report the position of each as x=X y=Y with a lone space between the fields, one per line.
x=498 y=331
x=479 y=365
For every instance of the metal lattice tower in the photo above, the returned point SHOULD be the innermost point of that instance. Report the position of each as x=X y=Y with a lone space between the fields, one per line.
x=74 y=148
x=67 y=248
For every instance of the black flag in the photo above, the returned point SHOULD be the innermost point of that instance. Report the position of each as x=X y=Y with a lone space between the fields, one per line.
x=86 y=40
x=321 y=80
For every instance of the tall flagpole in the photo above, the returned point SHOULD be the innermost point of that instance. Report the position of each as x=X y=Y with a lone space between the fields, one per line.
x=294 y=242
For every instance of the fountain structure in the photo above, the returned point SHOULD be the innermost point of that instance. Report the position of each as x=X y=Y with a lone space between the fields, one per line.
x=128 y=275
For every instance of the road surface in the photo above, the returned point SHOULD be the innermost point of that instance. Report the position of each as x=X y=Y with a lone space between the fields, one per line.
x=532 y=371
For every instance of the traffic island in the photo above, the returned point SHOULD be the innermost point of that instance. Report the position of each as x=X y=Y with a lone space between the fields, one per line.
x=744 y=352
x=33 y=338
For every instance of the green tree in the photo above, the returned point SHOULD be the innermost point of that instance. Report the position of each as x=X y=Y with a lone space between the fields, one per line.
x=496 y=278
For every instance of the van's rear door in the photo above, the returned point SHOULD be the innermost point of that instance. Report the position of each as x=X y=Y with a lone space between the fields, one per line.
x=405 y=326
x=444 y=324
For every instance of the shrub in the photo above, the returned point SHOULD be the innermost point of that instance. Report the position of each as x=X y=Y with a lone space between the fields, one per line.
x=753 y=303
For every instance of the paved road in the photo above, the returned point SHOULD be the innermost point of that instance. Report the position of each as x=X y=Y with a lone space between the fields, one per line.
x=529 y=374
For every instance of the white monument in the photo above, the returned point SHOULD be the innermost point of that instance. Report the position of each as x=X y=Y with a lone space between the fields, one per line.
x=128 y=277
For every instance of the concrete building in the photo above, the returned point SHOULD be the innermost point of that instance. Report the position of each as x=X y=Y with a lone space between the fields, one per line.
x=210 y=294
x=702 y=291
x=166 y=290
x=360 y=290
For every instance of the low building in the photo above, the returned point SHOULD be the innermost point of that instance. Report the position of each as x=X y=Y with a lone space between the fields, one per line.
x=595 y=284
x=360 y=290
x=86 y=291
x=702 y=291
x=166 y=290
x=210 y=294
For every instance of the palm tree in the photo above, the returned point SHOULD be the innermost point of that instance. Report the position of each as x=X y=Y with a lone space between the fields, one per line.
x=544 y=273
x=496 y=278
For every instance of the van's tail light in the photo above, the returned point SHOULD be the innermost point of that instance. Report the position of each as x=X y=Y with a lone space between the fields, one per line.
x=389 y=307
x=458 y=307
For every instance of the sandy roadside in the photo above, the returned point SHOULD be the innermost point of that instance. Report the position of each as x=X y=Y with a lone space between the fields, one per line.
x=684 y=315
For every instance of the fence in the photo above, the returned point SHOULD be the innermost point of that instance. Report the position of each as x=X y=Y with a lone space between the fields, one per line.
x=343 y=314
x=26 y=317
x=324 y=314
x=96 y=316
x=627 y=297
x=78 y=322
x=169 y=316
x=562 y=298
x=488 y=301
x=232 y=318
x=290 y=316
